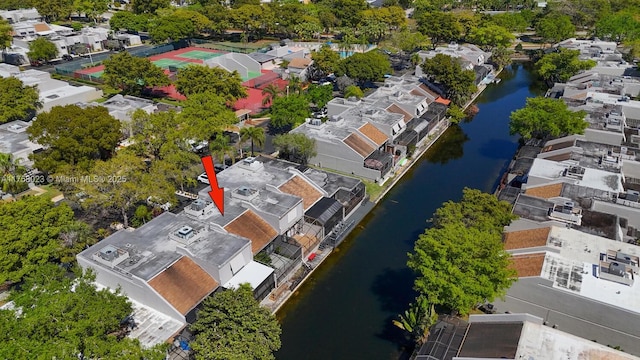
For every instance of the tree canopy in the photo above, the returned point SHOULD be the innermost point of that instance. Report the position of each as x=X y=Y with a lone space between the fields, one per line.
x=132 y=74
x=148 y=6
x=542 y=117
x=490 y=36
x=460 y=261
x=289 y=111
x=325 y=59
x=320 y=94
x=369 y=66
x=440 y=27
x=561 y=65
x=619 y=27
x=196 y=79
x=5 y=34
x=17 y=101
x=170 y=28
x=58 y=317
x=42 y=49
x=295 y=147
x=33 y=232
x=74 y=136
x=122 y=182
x=459 y=84
x=231 y=325
x=555 y=27
x=129 y=21
x=206 y=114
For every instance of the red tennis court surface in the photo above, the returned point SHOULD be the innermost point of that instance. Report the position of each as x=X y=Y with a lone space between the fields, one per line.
x=193 y=55
x=176 y=58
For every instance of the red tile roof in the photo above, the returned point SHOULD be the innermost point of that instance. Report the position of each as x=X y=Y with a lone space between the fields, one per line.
x=398 y=110
x=252 y=227
x=375 y=135
x=183 y=284
x=301 y=188
x=359 y=144
x=526 y=238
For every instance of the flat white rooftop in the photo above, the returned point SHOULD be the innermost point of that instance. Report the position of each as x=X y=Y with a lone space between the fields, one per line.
x=572 y=262
x=538 y=341
x=592 y=178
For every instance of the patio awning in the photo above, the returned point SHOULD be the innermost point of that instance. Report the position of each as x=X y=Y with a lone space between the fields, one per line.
x=324 y=210
x=253 y=273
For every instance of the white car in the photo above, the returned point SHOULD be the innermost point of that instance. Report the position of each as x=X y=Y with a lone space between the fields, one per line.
x=203 y=178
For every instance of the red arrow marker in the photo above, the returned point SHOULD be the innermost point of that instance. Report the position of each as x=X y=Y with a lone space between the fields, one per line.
x=216 y=193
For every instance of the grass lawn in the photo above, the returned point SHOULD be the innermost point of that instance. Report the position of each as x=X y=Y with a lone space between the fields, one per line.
x=373 y=190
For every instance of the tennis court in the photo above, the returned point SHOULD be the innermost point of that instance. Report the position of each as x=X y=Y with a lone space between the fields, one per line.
x=199 y=55
x=251 y=75
x=165 y=63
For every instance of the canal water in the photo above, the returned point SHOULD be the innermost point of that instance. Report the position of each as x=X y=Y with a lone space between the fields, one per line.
x=344 y=311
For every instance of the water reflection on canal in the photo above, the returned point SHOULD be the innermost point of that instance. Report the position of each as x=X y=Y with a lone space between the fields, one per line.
x=345 y=310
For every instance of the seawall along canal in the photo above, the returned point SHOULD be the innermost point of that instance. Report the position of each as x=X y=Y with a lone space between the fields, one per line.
x=344 y=310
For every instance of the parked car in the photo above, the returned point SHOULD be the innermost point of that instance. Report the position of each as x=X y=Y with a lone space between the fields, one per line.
x=220 y=167
x=67 y=57
x=203 y=178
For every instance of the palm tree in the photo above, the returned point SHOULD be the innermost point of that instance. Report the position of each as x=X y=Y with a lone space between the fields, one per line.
x=255 y=134
x=418 y=319
x=415 y=59
x=270 y=92
x=295 y=85
x=10 y=170
x=220 y=147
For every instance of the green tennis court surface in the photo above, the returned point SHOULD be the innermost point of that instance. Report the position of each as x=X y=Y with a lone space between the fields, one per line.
x=97 y=74
x=251 y=75
x=165 y=63
x=199 y=55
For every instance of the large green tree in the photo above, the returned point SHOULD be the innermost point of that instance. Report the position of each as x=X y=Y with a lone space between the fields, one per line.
x=289 y=111
x=41 y=49
x=53 y=10
x=561 y=65
x=555 y=27
x=490 y=37
x=5 y=34
x=232 y=325
x=119 y=183
x=206 y=114
x=325 y=59
x=171 y=28
x=543 y=117
x=295 y=147
x=132 y=74
x=17 y=101
x=74 y=136
x=459 y=84
x=57 y=317
x=460 y=261
x=129 y=21
x=320 y=95
x=196 y=79
x=93 y=9
x=34 y=232
x=619 y=27
x=369 y=66
x=440 y=27
x=148 y=6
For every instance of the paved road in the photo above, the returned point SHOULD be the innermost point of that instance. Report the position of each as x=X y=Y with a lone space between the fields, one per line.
x=576 y=315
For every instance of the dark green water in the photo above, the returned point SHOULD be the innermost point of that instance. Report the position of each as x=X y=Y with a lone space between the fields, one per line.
x=345 y=310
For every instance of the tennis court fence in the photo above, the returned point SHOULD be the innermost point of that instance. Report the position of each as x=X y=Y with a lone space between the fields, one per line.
x=70 y=68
